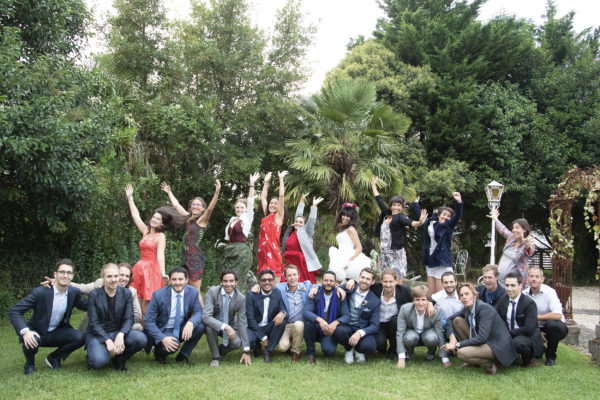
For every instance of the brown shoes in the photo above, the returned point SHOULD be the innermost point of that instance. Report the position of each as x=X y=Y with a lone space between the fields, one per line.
x=493 y=370
x=295 y=356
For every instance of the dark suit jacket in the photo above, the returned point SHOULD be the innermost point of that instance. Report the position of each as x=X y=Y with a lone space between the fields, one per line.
x=41 y=300
x=311 y=308
x=498 y=293
x=491 y=330
x=403 y=294
x=159 y=309
x=98 y=311
x=368 y=312
x=441 y=255
x=213 y=303
x=526 y=317
x=255 y=308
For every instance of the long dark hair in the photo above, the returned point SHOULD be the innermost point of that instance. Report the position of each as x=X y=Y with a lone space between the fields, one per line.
x=347 y=211
x=191 y=217
x=171 y=219
x=522 y=222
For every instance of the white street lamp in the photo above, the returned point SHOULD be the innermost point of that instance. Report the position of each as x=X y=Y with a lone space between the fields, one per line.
x=494 y=193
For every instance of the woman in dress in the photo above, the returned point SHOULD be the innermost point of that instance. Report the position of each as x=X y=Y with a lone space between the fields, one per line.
x=298 y=242
x=238 y=254
x=391 y=231
x=347 y=260
x=198 y=215
x=149 y=272
x=269 y=252
x=438 y=230
x=518 y=249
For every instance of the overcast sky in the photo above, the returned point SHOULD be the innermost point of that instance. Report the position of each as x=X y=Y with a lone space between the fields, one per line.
x=339 y=20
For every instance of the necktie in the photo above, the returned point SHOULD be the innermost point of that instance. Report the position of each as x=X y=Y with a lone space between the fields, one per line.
x=225 y=319
x=472 y=332
x=177 y=325
x=512 y=315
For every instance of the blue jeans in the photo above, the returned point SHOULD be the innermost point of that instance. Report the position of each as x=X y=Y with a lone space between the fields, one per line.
x=312 y=335
x=97 y=354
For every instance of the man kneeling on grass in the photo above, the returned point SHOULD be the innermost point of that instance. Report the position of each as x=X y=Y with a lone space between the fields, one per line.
x=416 y=328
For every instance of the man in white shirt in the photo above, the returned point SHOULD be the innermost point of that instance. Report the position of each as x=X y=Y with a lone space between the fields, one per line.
x=416 y=328
x=447 y=300
x=550 y=314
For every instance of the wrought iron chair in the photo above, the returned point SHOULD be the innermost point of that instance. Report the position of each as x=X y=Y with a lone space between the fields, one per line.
x=460 y=264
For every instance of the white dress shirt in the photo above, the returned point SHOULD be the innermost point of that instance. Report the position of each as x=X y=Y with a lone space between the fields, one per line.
x=171 y=323
x=547 y=301
x=59 y=308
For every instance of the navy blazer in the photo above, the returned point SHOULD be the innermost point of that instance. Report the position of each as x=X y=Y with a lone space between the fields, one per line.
x=98 y=311
x=441 y=256
x=498 y=293
x=159 y=310
x=490 y=329
x=40 y=300
x=311 y=308
x=526 y=317
x=255 y=307
x=368 y=312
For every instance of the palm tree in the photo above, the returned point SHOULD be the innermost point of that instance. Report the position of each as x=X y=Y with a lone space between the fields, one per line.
x=347 y=138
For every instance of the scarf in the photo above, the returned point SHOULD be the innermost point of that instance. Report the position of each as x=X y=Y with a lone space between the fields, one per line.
x=332 y=308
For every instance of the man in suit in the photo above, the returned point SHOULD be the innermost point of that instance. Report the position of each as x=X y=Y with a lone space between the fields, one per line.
x=174 y=315
x=519 y=312
x=323 y=314
x=392 y=297
x=294 y=295
x=479 y=336
x=49 y=326
x=416 y=328
x=447 y=301
x=109 y=331
x=266 y=314
x=490 y=292
x=550 y=315
x=358 y=337
x=225 y=315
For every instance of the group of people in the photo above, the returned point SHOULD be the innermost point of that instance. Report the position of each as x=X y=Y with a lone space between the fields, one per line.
x=130 y=309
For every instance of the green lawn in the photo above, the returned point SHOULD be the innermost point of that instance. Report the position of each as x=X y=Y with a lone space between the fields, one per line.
x=574 y=377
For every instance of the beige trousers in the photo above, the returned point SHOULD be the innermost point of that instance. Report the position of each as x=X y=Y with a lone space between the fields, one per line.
x=474 y=355
x=292 y=337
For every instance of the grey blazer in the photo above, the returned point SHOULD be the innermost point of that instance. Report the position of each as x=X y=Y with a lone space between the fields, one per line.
x=305 y=237
x=407 y=319
x=213 y=302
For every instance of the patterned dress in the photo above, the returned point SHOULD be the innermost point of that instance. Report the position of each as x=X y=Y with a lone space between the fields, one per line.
x=192 y=257
x=391 y=259
x=269 y=252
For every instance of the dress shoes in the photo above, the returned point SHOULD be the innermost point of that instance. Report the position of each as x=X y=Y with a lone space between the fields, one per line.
x=295 y=356
x=550 y=362
x=493 y=370
x=530 y=363
x=310 y=358
x=183 y=360
x=53 y=363
x=119 y=364
x=268 y=356
x=29 y=369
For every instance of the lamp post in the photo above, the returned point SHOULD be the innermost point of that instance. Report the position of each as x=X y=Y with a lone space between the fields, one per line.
x=494 y=193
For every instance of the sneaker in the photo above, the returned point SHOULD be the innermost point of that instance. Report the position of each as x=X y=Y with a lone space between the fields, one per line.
x=29 y=369
x=214 y=363
x=53 y=363
x=360 y=357
x=349 y=357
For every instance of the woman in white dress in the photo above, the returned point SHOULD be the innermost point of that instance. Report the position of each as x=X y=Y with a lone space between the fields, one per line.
x=347 y=260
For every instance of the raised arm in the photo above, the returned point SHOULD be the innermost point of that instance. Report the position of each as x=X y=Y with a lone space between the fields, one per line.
x=135 y=214
x=374 y=186
x=458 y=209
x=250 y=203
x=211 y=206
x=380 y=202
x=281 y=203
x=160 y=254
x=167 y=189
x=312 y=217
x=355 y=241
x=265 y=193
x=502 y=230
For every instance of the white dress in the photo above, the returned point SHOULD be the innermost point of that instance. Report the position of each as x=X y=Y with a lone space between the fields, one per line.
x=339 y=259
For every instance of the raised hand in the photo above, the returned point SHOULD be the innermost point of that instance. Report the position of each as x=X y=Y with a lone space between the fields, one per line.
x=217 y=185
x=129 y=190
x=494 y=215
x=165 y=188
x=268 y=177
x=253 y=178
x=423 y=217
x=316 y=201
x=282 y=174
x=374 y=181
x=303 y=197
x=457 y=197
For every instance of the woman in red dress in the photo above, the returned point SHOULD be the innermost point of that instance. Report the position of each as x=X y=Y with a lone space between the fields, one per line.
x=269 y=252
x=298 y=243
x=149 y=272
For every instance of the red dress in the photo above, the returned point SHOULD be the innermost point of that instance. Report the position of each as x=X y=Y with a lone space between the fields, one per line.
x=146 y=272
x=293 y=255
x=269 y=250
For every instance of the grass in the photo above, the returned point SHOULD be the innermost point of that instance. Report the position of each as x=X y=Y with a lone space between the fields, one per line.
x=574 y=377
